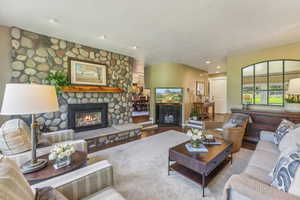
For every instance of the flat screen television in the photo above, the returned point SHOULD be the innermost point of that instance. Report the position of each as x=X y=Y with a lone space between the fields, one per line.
x=168 y=95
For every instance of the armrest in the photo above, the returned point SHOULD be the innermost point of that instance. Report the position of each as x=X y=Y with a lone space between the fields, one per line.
x=82 y=182
x=21 y=158
x=213 y=125
x=267 y=136
x=244 y=187
x=59 y=136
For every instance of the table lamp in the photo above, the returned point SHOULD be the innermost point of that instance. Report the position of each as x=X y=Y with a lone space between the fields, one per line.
x=294 y=86
x=30 y=99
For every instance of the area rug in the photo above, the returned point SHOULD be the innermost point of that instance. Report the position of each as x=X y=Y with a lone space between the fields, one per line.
x=140 y=170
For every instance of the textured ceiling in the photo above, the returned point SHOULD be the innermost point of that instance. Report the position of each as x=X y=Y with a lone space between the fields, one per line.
x=188 y=32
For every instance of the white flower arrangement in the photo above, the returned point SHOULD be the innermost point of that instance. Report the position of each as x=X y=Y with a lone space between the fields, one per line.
x=195 y=134
x=62 y=151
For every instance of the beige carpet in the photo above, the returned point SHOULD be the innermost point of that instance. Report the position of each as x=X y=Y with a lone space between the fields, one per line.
x=140 y=170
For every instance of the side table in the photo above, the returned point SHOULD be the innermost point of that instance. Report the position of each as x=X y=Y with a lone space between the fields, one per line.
x=78 y=160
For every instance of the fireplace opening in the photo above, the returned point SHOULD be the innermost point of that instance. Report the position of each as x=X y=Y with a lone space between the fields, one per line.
x=87 y=116
x=168 y=114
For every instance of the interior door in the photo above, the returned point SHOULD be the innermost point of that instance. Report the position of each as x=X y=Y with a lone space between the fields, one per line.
x=218 y=93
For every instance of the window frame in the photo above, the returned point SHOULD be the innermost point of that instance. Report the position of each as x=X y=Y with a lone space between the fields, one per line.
x=253 y=91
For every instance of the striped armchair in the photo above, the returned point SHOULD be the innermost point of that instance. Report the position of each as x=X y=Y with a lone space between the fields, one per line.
x=89 y=183
x=53 y=138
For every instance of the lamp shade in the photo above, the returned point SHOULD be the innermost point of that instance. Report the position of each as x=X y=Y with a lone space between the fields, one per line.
x=294 y=86
x=22 y=99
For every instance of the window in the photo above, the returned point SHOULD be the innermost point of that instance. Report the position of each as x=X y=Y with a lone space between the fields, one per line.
x=265 y=83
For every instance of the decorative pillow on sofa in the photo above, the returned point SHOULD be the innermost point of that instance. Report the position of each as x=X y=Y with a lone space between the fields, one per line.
x=285 y=171
x=14 y=137
x=289 y=141
x=295 y=186
x=284 y=127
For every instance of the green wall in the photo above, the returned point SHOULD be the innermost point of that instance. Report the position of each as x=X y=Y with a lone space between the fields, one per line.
x=5 y=70
x=174 y=75
x=236 y=62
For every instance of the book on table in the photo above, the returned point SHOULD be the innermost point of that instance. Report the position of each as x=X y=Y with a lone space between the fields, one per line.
x=201 y=148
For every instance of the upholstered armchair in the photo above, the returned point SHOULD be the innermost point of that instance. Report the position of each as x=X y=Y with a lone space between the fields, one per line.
x=92 y=182
x=233 y=129
x=15 y=141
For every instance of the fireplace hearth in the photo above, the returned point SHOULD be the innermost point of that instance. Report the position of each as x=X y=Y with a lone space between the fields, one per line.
x=82 y=117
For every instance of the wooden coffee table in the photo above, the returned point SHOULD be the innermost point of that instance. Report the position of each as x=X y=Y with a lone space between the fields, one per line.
x=200 y=167
x=78 y=160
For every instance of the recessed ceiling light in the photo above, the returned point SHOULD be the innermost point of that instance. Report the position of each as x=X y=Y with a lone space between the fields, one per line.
x=218 y=67
x=134 y=47
x=102 y=37
x=207 y=62
x=53 y=21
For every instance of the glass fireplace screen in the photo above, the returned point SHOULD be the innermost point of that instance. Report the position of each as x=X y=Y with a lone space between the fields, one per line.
x=87 y=119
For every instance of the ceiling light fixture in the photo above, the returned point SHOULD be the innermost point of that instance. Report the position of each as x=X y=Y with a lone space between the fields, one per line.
x=207 y=62
x=134 y=47
x=218 y=67
x=53 y=21
x=102 y=37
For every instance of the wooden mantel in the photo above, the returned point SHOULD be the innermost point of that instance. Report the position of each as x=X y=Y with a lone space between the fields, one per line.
x=88 y=88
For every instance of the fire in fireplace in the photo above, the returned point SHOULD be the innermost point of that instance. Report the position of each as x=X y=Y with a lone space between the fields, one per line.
x=87 y=116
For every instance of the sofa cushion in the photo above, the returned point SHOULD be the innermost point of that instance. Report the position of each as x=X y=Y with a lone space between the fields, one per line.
x=259 y=174
x=107 y=194
x=289 y=141
x=268 y=147
x=284 y=127
x=14 y=137
x=13 y=185
x=264 y=160
x=285 y=171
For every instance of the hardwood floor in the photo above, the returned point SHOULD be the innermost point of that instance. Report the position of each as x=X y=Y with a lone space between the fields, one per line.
x=151 y=132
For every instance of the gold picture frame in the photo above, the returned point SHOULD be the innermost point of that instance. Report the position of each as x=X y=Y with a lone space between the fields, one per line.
x=83 y=72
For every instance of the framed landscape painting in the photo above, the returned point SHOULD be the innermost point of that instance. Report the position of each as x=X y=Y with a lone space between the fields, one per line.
x=87 y=73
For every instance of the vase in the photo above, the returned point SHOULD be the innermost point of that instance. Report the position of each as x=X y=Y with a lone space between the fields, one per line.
x=196 y=143
x=60 y=163
x=292 y=107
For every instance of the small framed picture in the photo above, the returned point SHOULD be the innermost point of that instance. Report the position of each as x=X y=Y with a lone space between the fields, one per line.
x=199 y=88
x=87 y=73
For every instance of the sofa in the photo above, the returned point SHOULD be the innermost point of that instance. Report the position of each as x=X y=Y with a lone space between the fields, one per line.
x=92 y=182
x=254 y=183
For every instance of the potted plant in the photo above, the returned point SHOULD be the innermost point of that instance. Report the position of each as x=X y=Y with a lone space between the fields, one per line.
x=247 y=100
x=197 y=136
x=58 y=80
x=194 y=114
x=292 y=103
x=61 y=155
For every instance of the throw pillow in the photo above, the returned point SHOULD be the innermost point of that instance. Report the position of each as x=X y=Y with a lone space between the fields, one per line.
x=289 y=141
x=284 y=127
x=285 y=171
x=295 y=186
x=14 y=137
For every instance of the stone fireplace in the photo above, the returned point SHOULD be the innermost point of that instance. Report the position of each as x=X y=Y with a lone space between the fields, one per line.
x=34 y=56
x=82 y=117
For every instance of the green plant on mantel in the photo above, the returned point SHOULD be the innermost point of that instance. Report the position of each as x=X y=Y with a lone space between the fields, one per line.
x=58 y=80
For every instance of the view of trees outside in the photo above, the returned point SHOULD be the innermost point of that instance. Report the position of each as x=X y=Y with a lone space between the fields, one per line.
x=265 y=83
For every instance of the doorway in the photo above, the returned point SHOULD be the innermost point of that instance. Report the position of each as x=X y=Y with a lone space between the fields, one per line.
x=218 y=93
